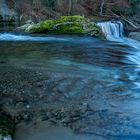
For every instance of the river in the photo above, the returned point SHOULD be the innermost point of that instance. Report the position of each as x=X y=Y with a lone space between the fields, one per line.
x=83 y=83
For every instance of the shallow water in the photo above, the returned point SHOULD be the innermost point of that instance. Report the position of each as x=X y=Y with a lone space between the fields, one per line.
x=85 y=70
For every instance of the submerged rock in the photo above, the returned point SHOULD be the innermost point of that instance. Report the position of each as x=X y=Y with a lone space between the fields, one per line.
x=6 y=126
x=65 y=25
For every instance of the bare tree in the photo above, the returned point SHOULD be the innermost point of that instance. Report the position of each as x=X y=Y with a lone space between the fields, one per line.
x=69 y=6
x=102 y=7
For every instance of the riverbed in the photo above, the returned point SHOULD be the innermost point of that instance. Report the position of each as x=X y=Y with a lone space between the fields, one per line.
x=88 y=86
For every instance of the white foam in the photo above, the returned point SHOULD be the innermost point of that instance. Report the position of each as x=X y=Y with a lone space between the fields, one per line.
x=13 y=37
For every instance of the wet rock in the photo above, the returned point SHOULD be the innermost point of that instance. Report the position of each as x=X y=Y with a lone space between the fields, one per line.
x=24 y=116
x=64 y=25
x=135 y=35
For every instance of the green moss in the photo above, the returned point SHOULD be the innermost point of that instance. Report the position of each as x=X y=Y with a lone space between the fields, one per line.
x=6 y=124
x=40 y=27
x=95 y=30
x=66 y=25
x=75 y=18
x=47 y=25
x=33 y=28
x=68 y=28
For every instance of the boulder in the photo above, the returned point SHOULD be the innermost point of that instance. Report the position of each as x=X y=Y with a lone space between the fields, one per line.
x=65 y=25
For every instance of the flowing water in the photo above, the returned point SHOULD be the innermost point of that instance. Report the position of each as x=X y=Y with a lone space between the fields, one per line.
x=71 y=72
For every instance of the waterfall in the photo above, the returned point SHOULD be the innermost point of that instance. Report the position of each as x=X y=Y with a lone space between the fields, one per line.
x=114 y=29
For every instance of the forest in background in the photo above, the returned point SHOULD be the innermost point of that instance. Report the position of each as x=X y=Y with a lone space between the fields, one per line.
x=37 y=10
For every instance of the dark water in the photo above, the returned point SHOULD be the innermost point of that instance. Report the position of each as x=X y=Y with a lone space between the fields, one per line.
x=87 y=70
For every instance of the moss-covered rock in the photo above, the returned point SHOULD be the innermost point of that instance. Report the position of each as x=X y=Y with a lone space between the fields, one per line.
x=75 y=18
x=65 y=25
x=6 y=125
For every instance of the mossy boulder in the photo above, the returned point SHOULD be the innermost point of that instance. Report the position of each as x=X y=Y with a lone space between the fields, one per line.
x=65 y=25
x=6 y=125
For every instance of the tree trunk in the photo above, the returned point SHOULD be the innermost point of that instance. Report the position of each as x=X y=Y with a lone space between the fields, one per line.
x=69 y=6
x=102 y=7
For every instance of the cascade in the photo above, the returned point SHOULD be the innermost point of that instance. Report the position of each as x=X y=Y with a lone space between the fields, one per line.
x=114 y=29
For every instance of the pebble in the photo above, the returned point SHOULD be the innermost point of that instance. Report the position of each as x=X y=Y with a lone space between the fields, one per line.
x=27 y=106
